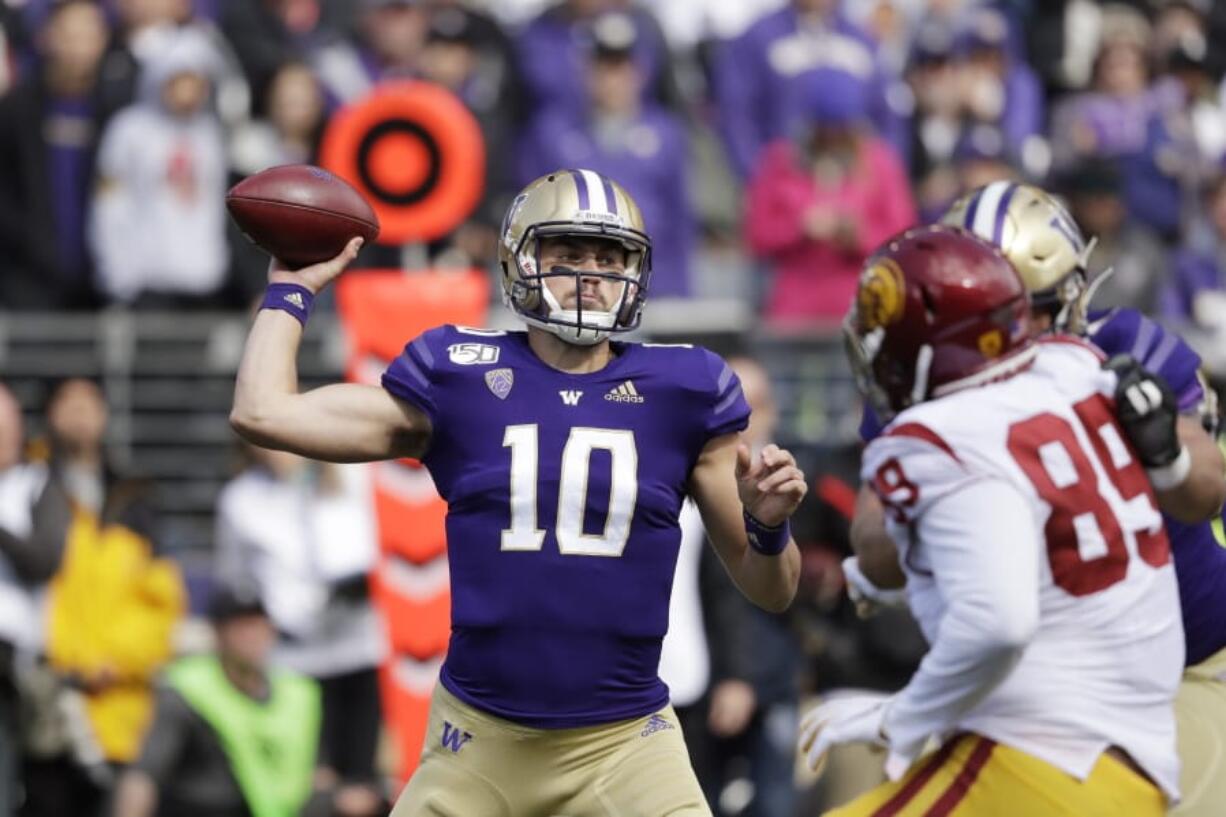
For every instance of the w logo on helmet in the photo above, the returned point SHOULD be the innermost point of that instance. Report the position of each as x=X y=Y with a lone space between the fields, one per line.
x=509 y=218
x=1063 y=223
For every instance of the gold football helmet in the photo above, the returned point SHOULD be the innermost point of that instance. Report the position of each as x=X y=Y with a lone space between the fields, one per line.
x=1040 y=239
x=579 y=203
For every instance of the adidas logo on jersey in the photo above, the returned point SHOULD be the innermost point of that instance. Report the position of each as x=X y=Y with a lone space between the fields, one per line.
x=625 y=393
x=295 y=298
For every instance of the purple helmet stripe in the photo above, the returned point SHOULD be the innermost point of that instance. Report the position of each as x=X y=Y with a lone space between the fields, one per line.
x=581 y=186
x=609 y=196
x=1002 y=208
x=969 y=221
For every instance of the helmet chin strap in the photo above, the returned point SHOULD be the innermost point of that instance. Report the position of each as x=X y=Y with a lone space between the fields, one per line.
x=1083 y=303
x=923 y=365
x=1073 y=316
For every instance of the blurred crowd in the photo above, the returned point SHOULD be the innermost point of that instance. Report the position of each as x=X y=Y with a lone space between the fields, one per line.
x=791 y=134
x=111 y=703
x=772 y=142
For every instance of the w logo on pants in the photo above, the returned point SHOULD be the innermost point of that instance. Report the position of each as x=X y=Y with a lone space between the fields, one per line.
x=453 y=738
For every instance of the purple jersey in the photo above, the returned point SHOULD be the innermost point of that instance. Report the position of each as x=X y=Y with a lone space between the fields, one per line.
x=1127 y=331
x=563 y=493
x=1200 y=562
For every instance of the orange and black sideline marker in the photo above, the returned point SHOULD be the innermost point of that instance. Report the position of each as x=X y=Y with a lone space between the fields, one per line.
x=417 y=155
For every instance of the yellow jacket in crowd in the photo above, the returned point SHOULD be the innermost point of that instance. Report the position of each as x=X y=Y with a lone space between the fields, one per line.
x=112 y=609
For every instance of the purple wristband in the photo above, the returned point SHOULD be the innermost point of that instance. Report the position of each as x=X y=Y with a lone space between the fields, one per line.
x=767 y=541
x=292 y=298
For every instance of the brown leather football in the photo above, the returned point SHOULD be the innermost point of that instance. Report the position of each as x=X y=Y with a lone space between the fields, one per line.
x=300 y=214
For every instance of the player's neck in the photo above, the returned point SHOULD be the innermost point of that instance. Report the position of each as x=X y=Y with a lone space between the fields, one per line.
x=569 y=357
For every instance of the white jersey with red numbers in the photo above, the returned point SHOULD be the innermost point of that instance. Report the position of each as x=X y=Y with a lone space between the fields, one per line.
x=1022 y=517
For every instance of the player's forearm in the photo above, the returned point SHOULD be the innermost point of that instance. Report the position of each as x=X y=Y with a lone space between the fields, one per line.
x=991 y=587
x=1200 y=496
x=267 y=377
x=878 y=557
x=769 y=581
x=970 y=658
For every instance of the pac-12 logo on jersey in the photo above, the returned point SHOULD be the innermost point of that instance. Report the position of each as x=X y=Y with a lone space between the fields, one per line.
x=453 y=738
x=472 y=354
x=500 y=381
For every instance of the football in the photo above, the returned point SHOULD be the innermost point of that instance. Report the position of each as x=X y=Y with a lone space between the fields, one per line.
x=300 y=214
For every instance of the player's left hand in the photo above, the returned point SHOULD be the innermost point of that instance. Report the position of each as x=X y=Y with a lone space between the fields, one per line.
x=855 y=718
x=770 y=485
x=1148 y=411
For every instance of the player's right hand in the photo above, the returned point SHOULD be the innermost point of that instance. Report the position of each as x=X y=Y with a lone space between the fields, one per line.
x=316 y=276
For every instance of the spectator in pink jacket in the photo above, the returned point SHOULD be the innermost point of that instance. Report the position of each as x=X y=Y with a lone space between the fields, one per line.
x=818 y=204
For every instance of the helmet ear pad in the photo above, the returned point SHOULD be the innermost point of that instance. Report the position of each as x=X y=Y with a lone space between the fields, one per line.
x=632 y=302
x=522 y=291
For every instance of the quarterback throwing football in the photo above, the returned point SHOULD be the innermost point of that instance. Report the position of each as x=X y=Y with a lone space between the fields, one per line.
x=564 y=458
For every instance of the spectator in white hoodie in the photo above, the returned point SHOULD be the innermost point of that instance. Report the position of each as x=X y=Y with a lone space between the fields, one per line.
x=157 y=227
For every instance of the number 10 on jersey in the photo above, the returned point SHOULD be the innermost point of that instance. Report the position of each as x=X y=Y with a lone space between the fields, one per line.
x=572 y=491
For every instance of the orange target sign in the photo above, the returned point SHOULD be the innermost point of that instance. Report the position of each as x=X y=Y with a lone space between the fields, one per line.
x=417 y=155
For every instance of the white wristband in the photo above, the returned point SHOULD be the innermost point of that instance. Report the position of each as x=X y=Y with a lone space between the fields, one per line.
x=1173 y=475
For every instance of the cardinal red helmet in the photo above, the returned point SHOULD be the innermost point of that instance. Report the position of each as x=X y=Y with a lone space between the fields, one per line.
x=937 y=309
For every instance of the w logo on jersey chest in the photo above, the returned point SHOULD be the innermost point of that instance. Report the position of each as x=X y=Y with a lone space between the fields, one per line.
x=570 y=396
x=454 y=738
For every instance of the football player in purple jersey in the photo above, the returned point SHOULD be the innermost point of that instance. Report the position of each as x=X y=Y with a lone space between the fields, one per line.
x=1171 y=418
x=564 y=457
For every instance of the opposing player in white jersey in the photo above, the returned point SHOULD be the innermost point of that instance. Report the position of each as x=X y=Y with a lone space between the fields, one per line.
x=1036 y=560
x=1047 y=248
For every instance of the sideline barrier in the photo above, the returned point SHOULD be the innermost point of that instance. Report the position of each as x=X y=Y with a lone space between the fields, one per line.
x=380 y=311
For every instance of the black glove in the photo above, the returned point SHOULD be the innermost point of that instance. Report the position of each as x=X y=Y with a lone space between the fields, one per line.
x=1146 y=408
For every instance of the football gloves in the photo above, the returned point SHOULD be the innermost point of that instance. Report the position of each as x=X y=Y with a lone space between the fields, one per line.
x=1146 y=408
x=853 y=718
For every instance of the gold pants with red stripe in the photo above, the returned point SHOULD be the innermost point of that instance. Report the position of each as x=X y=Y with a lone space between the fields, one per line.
x=971 y=776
